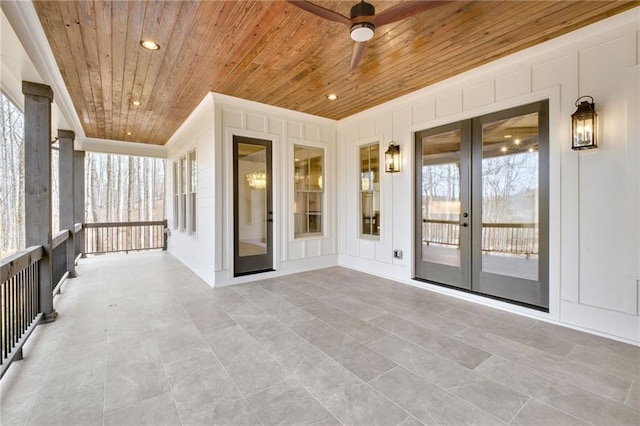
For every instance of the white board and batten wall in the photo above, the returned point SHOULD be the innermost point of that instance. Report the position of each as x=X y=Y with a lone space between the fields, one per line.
x=594 y=195
x=210 y=130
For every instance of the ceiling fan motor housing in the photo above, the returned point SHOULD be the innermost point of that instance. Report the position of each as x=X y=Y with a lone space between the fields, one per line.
x=362 y=9
x=362 y=31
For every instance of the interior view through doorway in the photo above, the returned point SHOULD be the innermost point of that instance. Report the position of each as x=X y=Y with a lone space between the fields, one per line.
x=482 y=205
x=252 y=206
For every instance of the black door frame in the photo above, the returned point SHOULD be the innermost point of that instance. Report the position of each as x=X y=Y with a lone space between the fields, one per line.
x=246 y=265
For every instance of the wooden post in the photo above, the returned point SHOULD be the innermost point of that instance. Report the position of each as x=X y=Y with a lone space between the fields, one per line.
x=37 y=186
x=66 y=183
x=78 y=194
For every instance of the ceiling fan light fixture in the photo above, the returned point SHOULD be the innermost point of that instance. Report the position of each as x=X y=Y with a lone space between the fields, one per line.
x=332 y=97
x=362 y=32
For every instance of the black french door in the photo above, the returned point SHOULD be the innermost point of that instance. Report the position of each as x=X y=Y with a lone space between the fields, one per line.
x=482 y=205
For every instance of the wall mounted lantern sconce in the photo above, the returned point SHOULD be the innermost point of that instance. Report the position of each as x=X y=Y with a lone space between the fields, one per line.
x=584 y=125
x=392 y=158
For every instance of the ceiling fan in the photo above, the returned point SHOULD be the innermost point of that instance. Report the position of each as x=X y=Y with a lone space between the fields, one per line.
x=364 y=20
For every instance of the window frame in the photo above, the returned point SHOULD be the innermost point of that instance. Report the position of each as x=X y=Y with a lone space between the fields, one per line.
x=192 y=191
x=176 y=194
x=361 y=217
x=322 y=185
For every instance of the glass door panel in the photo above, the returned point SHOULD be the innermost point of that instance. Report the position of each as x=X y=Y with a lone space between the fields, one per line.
x=253 y=220
x=482 y=203
x=509 y=231
x=443 y=208
x=510 y=223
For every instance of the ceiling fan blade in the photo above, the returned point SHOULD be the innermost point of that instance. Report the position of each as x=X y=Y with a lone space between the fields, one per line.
x=359 y=48
x=404 y=10
x=321 y=11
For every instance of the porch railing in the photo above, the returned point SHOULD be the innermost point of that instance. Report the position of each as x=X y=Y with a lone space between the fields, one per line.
x=109 y=237
x=20 y=294
x=19 y=298
x=513 y=238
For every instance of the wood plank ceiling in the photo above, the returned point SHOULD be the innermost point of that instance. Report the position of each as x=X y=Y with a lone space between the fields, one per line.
x=275 y=53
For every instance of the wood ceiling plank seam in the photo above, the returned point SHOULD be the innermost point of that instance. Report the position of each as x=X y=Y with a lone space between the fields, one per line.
x=76 y=48
x=103 y=26
x=212 y=44
x=135 y=17
x=150 y=24
x=260 y=36
x=308 y=44
x=243 y=19
x=180 y=72
x=144 y=112
x=88 y=30
x=118 y=55
x=297 y=72
x=53 y=24
x=159 y=96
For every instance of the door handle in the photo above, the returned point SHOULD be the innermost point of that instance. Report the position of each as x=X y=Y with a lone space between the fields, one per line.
x=270 y=217
x=465 y=224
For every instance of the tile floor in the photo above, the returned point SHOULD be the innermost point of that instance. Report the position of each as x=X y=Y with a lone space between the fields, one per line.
x=141 y=340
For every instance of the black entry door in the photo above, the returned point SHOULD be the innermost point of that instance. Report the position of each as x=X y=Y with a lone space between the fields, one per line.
x=253 y=206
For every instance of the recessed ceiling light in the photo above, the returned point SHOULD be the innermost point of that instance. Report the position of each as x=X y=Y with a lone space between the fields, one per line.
x=531 y=149
x=128 y=133
x=517 y=141
x=136 y=103
x=149 y=44
x=332 y=96
x=507 y=136
x=503 y=149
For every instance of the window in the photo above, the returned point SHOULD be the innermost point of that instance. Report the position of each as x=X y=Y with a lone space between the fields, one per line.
x=12 y=237
x=308 y=186
x=183 y=193
x=193 y=186
x=176 y=195
x=370 y=189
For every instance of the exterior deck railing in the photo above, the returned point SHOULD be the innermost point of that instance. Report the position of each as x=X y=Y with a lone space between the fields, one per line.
x=110 y=237
x=19 y=297
x=59 y=249
x=513 y=238
x=20 y=292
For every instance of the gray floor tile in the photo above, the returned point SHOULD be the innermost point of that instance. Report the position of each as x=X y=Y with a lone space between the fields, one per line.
x=288 y=403
x=353 y=307
x=229 y=343
x=537 y=413
x=254 y=370
x=204 y=410
x=622 y=367
x=447 y=347
x=595 y=409
x=494 y=398
x=512 y=331
x=360 y=404
x=633 y=398
x=159 y=410
x=144 y=336
x=427 y=402
x=436 y=369
x=206 y=315
x=314 y=369
x=549 y=365
x=133 y=382
x=355 y=357
x=523 y=379
x=359 y=330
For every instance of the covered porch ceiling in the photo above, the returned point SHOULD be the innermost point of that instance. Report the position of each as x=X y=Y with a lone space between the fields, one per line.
x=275 y=53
